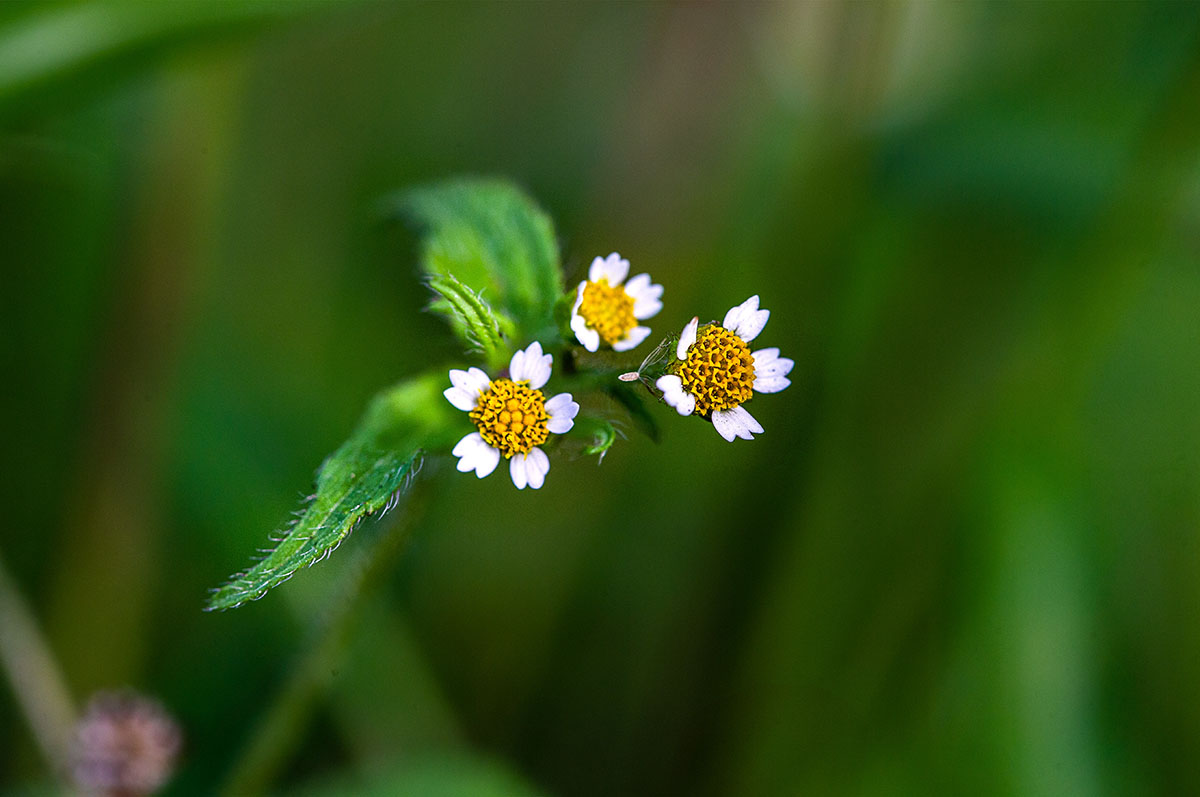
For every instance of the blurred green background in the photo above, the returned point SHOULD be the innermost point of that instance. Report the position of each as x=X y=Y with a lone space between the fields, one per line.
x=963 y=558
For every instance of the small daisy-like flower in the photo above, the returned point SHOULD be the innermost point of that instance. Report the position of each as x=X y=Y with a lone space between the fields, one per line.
x=605 y=310
x=716 y=373
x=512 y=416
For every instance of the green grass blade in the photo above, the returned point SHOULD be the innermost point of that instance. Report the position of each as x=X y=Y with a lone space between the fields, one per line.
x=57 y=44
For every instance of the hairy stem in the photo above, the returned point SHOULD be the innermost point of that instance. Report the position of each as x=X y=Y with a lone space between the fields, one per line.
x=280 y=729
x=36 y=679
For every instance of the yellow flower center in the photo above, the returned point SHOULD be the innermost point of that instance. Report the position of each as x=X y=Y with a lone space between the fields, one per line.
x=511 y=417
x=608 y=309
x=718 y=371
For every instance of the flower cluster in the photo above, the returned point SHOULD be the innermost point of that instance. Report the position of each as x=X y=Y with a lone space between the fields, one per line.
x=713 y=374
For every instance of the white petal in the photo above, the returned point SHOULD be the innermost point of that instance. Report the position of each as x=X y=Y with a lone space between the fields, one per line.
x=579 y=325
x=735 y=313
x=746 y=320
x=780 y=366
x=674 y=394
x=687 y=338
x=473 y=380
x=517 y=365
x=771 y=370
x=686 y=405
x=468 y=444
x=467 y=387
x=618 y=269
x=516 y=469
x=725 y=424
x=461 y=399
x=613 y=268
x=640 y=286
x=562 y=405
x=460 y=379
x=751 y=324
x=562 y=411
x=588 y=337
x=537 y=465
x=539 y=370
x=770 y=384
x=632 y=339
x=559 y=425
x=765 y=355
x=736 y=422
x=646 y=308
x=486 y=460
x=531 y=365
x=751 y=424
x=767 y=362
x=645 y=296
x=474 y=454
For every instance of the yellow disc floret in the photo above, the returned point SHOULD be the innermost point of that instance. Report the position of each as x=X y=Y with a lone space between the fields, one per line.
x=718 y=371
x=608 y=309
x=511 y=417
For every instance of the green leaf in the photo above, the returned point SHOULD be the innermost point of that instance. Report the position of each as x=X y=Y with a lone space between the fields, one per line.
x=363 y=477
x=474 y=321
x=492 y=237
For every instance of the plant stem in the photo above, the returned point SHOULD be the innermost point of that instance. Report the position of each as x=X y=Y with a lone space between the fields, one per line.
x=36 y=679
x=280 y=728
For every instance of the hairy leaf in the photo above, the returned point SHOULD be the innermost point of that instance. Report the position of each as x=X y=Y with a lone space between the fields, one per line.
x=474 y=321
x=363 y=477
x=492 y=237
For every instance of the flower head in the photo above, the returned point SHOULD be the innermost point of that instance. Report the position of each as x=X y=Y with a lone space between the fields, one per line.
x=607 y=311
x=512 y=417
x=715 y=372
x=124 y=744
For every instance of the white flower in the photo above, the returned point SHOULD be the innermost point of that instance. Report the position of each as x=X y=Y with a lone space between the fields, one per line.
x=605 y=310
x=512 y=417
x=715 y=372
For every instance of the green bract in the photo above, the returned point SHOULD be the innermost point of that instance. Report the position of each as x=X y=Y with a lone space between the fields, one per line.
x=491 y=238
x=474 y=321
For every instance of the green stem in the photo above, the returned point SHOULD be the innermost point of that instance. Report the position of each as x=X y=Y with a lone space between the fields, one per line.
x=36 y=679
x=280 y=729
